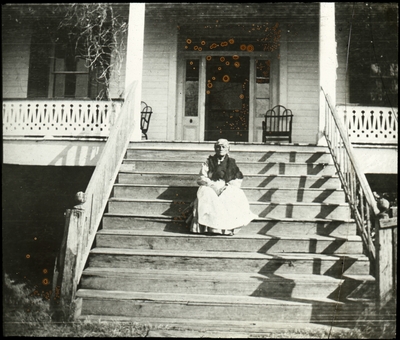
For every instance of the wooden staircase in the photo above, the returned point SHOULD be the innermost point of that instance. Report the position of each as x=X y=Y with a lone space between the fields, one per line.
x=300 y=263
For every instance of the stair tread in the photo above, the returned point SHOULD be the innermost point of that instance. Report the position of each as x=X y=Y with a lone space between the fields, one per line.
x=240 y=235
x=226 y=276
x=224 y=325
x=179 y=143
x=228 y=254
x=260 y=219
x=247 y=175
x=123 y=199
x=188 y=161
x=243 y=187
x=249 y=148
x=197 y=298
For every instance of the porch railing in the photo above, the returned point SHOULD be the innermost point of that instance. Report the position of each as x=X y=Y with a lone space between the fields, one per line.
x=59 y=117
x=83 y=221
x=358 y=192
x=370 y=125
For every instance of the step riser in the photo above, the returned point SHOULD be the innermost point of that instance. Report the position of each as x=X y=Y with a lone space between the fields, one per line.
x=135 y=308
x=248 y=181
x=256 y=195
x=276 y=265
x=246 y=168
x=272 y=210
x=201 y=156
x=215 y=243
x=279 y=312
x=272 y=228
x=277 y=288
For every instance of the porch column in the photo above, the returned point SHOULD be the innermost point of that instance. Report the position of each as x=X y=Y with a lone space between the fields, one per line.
x=327 y=61
x=134 y=60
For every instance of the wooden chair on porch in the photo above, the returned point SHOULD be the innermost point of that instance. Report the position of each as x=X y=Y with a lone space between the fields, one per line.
x=277 y=125
x=146 y=112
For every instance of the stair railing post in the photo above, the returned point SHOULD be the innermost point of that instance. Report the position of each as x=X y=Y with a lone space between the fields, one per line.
x=386 y=254
x=65 y=279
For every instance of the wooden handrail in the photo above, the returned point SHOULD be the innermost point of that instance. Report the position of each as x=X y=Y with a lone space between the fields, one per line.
x=358 y=192
x=101 y=183
x=83 y=221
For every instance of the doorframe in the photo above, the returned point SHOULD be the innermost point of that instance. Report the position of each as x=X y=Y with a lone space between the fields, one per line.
x=254 y=122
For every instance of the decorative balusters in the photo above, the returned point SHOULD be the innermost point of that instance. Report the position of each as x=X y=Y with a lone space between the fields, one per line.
x=59 y=118
x=370 y=124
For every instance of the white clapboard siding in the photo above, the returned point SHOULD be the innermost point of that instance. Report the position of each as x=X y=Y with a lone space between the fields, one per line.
x=15 y=63
x=303 y=80
x=158 y=51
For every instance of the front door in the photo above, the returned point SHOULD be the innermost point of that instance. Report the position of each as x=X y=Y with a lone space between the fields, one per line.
x=227 y=98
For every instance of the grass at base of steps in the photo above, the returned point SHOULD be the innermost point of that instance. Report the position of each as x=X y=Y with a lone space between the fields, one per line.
x=18 y=320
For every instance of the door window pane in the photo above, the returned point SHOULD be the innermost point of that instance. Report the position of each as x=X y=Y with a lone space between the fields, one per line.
x=192 y=88
x=263 y=99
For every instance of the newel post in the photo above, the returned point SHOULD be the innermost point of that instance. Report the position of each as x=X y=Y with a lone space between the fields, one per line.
x=386 y=260
x=65 y=279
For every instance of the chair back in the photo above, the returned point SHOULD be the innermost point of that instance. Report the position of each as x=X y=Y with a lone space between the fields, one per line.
x=277 y=125
x=146 y=113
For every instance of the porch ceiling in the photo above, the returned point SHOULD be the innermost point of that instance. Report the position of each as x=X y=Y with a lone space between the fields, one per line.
x=225 y=11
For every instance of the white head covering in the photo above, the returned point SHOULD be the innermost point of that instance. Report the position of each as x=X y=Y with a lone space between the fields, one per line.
x=222 y=141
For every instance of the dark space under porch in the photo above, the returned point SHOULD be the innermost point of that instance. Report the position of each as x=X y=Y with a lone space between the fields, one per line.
x=33 y=204
x=34 y=199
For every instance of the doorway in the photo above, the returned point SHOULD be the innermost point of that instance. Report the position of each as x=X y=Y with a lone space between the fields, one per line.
x=227 y=98
x=225 y=95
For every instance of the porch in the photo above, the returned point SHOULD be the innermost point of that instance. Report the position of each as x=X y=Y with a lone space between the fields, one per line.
x=60 y=132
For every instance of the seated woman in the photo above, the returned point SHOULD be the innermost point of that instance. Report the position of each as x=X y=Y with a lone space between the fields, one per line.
x=221 y=206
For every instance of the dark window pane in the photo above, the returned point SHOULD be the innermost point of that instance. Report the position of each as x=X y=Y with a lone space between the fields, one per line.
x=39 y=66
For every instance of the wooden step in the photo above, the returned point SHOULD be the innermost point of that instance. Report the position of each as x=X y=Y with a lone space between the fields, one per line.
x=287 y=286
x=212 y=307
x=250 y=180
x=278 y=155
x=196 y=328
x=272 y=209
x=132 y=239
x=234 y=146
x=299 y=262
x=263 y=226
x=188 y=193
x=321 y=264
x=163 y=165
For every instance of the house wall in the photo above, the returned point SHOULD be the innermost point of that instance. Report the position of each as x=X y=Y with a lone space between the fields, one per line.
x=303 y=79
x=298 y=74
x=299 y=86
x=16 y=43
x=342 y=84
x=15 y=61
x=159 y=77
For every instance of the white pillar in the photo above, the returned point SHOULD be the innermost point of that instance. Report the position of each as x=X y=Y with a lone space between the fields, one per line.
x=134 y=59
x=327 y=61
